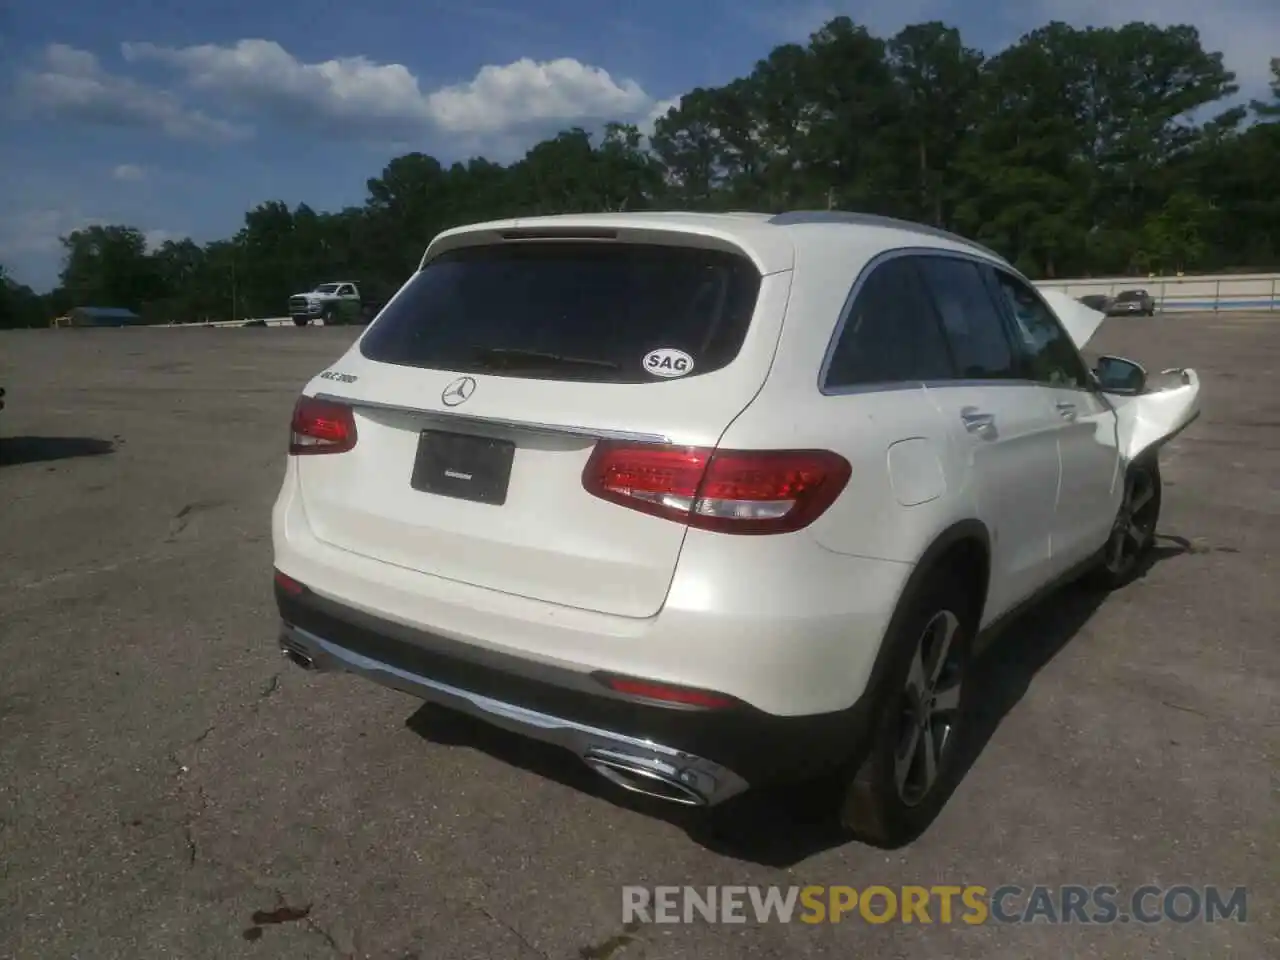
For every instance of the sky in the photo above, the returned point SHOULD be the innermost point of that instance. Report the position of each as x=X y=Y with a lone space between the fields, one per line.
x=177 y=116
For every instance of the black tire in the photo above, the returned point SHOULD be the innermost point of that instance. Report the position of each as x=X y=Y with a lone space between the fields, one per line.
x=1133 y=534
x=329 y=316
x=877 y=808
x=300 y=321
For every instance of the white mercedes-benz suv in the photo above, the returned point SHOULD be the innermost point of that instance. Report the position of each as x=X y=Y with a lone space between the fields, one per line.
x=713 y=501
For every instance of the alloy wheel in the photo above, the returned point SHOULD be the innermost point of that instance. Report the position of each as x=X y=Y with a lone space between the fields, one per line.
x=930 y=708
x=1134 y=528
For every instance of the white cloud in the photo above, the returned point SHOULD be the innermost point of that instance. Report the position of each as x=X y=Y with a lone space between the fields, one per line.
x=358 y=96
x=36 y=230
x=72 y=84
x=129 y=173
x=526 y=92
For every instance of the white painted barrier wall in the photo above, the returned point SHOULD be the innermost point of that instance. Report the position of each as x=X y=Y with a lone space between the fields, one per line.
x=1254 y=291
x=269 y=321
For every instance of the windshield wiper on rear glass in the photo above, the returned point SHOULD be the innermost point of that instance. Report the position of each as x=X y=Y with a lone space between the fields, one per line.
x=509 y=357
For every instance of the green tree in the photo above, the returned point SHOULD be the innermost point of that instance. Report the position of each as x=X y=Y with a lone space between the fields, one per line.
x=108 y=266
x=938 y=80
x=20 y=306
x=1173 y=239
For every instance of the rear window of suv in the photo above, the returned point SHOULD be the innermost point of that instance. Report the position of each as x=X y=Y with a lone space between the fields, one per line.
x=567 y=310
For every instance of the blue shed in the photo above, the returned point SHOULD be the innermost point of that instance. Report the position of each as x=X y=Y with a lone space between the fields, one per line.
x=103 y=317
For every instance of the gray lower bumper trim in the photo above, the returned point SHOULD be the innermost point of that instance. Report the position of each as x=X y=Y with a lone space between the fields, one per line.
x=710 y=781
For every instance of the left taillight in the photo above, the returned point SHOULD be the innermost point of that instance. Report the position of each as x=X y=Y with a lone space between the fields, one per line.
x=321 y=426
x=726 y=491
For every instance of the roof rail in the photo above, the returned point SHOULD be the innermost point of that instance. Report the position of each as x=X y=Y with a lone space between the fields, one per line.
x=796 y=217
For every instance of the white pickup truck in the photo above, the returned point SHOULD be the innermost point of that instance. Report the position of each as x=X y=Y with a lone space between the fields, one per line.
x=334 y=302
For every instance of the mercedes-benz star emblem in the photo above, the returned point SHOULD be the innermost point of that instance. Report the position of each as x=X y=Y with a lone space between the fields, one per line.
x=459 y=391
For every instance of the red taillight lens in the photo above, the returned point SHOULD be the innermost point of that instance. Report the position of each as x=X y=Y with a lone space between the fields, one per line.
x=663 y=693
x=730 y=491
x=659 y=480
x=289 y=585
x=321 y=426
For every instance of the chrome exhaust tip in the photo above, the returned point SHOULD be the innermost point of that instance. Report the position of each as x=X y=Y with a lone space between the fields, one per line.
x=644 y=775
x=296 y=655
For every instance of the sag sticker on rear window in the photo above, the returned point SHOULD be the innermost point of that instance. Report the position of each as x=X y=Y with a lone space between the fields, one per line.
x=668 y=362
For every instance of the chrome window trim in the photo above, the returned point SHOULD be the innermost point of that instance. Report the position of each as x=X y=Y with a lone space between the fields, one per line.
x=858 y=283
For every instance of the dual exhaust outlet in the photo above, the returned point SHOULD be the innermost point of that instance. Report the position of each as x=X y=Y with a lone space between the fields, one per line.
x=634 y=772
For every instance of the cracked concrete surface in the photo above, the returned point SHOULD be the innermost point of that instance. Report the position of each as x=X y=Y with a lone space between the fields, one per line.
x=165 y=778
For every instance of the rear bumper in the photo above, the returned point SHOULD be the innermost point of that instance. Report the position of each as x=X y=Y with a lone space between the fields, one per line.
x=696 y=756
x=790 y=628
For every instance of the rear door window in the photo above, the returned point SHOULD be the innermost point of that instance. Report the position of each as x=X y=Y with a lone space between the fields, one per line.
x=566 y=310
x=972 y=320
x=891 y=334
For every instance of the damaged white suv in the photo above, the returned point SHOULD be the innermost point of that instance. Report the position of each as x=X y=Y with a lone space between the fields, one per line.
x=712 y=501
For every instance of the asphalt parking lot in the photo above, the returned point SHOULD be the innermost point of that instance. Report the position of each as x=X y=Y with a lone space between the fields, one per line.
x=170 y=787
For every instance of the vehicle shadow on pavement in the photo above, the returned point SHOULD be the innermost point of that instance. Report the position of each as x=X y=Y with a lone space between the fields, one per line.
x=19 y=450
x=782 y=827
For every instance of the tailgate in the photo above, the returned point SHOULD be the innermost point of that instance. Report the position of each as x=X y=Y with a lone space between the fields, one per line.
x=477 y=477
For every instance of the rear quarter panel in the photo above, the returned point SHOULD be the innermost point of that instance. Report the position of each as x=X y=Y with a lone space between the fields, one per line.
x=899 y=498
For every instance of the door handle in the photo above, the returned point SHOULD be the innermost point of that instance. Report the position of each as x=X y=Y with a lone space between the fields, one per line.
x=1066 y=410
x=975 y=421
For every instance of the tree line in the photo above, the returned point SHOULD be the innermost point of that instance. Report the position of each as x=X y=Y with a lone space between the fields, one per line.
x=1073 y=152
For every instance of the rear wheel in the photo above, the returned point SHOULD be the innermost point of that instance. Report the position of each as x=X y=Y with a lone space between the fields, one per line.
x=922 y=709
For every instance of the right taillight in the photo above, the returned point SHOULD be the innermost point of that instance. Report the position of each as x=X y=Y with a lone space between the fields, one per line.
x=729 y=491
x=321 y=426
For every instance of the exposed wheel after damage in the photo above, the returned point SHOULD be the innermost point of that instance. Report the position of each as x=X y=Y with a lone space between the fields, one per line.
x=921 y=712
x=1134 y=532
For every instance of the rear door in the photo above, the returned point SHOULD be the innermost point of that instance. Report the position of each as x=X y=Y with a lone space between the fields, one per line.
x=1003 y=426
x=484 y=385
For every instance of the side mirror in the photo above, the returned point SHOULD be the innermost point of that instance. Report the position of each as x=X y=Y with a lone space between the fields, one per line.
x=1118 y=375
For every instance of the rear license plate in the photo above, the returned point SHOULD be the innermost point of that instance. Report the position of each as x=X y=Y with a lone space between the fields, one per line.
x=463 y=466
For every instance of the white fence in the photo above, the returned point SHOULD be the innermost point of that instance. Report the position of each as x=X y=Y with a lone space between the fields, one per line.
x=269 y=321
x=1252 y=291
